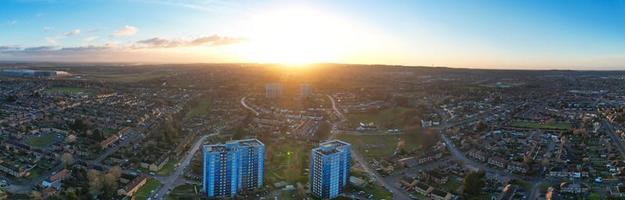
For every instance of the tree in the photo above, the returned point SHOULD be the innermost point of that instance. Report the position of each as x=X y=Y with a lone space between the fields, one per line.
x=480 y=126
x=428 y=139
x=36 y=195
x=95 y=182
x=473 y=183
x=70 y=139
x=67 y=159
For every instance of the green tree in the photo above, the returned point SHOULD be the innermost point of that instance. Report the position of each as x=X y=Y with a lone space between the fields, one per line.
x=473 y=184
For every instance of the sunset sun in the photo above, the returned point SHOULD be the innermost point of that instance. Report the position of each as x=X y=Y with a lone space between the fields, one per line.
x=297 y=36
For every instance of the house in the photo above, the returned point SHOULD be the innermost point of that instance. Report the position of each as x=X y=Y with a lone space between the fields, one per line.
x=158 y=165
x=478 y=155
x=437 y=177
x=497 y=161
x=518 y=167
x=508 y=192
x=573 y=188
x=357 y=182
x=407 y=182
x=55 y=179
x=408 y=162
x=423 y=189
x=429 y=158
x=109 y=141
x=132 y=187
x=618 y=191
x=48 y=192
x=440 y=195
x=12 y=170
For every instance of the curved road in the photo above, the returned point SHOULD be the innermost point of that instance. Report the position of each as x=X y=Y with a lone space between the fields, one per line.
x=169 y=182
x=248 y=107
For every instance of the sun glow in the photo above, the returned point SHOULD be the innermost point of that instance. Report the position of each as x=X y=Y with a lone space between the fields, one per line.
x=297 y=36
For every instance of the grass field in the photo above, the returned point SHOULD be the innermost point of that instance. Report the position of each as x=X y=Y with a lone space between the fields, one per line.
x=186 y=191
x=537 y=125
x=66 y=90
x=379 y=192
x=144 y=192
x=452 y=185
x=286 y=161
x=41 y=141
x=201 y=108
x=376 y=146
x=168 y=167
x=387 y=118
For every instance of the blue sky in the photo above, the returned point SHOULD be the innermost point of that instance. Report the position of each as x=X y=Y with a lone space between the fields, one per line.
x=572 y=34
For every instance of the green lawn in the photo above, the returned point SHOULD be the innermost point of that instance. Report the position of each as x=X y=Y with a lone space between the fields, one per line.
x=41 y=141
x=168 y=168
x=387 y=118
x=66 y=90
x=286 y=161
x=144 y=192
x=186 y=191
x=377 y=146
x=537 y=125
x=202 y=107
x=379 y=192
x=452 y=185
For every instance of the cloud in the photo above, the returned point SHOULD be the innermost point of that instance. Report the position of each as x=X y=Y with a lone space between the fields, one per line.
x=52 y=40
x=55 y=52
x=126 y=31
x=214 y=40
x=90 y=39
x=8 y=48
x=73 y=32
x=11 y=22
x=46 y=29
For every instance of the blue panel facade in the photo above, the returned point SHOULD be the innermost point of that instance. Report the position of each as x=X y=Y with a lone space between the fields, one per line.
x=329 y=169
x=234 y=167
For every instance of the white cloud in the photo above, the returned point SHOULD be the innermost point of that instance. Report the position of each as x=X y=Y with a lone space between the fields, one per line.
x=126 y=31
x=73 y=32
x=52 y=40
x=91 y=39
x=46 y=29
x=214 y=40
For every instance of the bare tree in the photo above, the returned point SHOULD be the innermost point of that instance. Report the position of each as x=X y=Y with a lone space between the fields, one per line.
x=67 y=159
x=36 y=195
x=70 y=139
x=95 y=181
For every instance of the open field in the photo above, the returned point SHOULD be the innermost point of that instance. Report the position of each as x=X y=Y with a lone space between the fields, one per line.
x=66 y=90
x=186 y=191
x=201 y=108
x=168 y=167
x=375 y=146
x=41 y=141
x=387 y=118
x=145 y=191
x=286 y=162
x=537 y=125
x=378 y=192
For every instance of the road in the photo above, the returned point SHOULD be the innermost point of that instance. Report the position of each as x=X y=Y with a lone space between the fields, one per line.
x=133 y=136
x=612 y=134
x=171 y=181
x=248 y=107
x=397 y=193
x=335 y=126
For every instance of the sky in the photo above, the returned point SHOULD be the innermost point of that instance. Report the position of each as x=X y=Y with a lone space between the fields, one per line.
x=507 y=34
